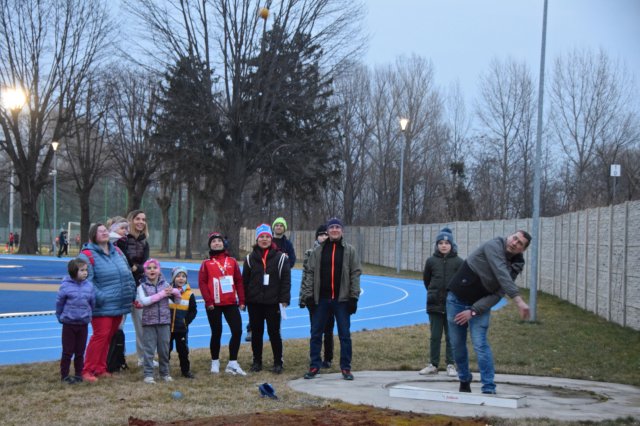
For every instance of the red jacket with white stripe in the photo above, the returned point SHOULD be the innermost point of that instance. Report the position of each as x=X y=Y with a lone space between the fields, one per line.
x=211 y=287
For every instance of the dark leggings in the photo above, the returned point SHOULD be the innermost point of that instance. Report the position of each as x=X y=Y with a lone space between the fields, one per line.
x=258 y=314
x=74 y=340
x=232 y=315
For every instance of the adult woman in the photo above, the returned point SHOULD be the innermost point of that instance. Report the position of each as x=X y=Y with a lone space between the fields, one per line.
x=220 y=283
x=266 y=275
x=137 y=253
x=115 y=292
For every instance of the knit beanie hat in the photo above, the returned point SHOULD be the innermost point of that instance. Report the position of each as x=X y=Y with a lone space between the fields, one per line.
x=322 y=229
x=281 y=221
x=149 y=262
x=175 y=271
x=445 y=234
x=215 y=235
x=120 y=223
x=263 y=229
x=334 y=221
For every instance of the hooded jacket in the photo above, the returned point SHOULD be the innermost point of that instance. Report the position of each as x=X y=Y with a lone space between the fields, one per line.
x=75 y=301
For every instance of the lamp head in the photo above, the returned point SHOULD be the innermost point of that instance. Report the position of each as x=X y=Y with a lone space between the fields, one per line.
x=403 y=123
x=54 y=145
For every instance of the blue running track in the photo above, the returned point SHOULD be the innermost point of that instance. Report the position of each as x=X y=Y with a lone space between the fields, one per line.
x=384 y=302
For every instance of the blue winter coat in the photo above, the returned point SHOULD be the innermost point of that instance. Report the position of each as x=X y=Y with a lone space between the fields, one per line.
x=75 y=301
x=112 y=279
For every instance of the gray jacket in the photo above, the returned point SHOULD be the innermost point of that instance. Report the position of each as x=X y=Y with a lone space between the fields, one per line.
x=349 y=281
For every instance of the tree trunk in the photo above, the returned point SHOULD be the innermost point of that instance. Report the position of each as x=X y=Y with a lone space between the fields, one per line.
x=164 y=203
x=85 y=215
x=187 y=250
x=178 y=221
x=30 y=223
x=229 y=210
x=199 y=205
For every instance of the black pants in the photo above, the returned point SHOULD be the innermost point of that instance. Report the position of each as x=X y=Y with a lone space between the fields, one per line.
x=232 y=315
x=182 y=347
x=64 y=249
x=74 y=340
x=327 y=333
x=258 y=314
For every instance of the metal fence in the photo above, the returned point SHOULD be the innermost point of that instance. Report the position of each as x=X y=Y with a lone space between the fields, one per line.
x=589 y=258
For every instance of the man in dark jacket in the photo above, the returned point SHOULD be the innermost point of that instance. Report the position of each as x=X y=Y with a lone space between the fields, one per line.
x=332 y=283
x=488 y=273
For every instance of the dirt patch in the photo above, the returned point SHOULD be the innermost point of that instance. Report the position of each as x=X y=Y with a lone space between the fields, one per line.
x=328 y=416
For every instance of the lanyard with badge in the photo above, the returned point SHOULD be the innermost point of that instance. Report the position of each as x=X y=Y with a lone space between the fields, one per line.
x=226 y=281
x=265 y=277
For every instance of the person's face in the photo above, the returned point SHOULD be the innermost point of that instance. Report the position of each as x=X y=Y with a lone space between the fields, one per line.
x=322 y=237
x=264 y=241
x=516 y=243
x=123 y=230
x=444 y=247
x=278 y=229
x=102 y=236
x=83 y=272
x=216 y=244
x=335 y=232
x=181 y=279
x=152 y=271
x=140 y=222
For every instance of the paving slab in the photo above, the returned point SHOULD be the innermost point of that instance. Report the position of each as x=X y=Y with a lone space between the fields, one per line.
x=545 y=397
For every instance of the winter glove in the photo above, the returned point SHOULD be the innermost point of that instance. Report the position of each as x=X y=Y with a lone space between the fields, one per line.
x=352 y=305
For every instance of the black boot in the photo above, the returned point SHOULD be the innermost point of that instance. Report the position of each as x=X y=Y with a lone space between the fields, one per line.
x=465 y=387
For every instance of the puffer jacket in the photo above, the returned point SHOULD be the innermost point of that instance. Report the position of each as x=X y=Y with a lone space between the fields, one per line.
x=75 y=301
x=111 y=277
x=156 y=304
x=438 y=270
x=211 y=270
x=183 y=311
x=137 y=253
x=279 y=288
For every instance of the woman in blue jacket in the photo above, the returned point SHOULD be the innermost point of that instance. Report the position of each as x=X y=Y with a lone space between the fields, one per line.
x=115 y=291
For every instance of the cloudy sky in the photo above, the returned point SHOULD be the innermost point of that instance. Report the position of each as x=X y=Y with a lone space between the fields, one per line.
x=462 y=36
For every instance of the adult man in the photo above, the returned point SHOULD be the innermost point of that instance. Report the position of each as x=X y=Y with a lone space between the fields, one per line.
x=332 y=283
x=279 y=227
x=63 y=247
x=488 y=273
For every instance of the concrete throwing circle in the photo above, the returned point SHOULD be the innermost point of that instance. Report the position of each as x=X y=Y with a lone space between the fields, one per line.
x=546 y=397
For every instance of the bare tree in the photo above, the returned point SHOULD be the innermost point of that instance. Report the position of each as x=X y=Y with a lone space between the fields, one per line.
x=47 y=48
x=590 y=104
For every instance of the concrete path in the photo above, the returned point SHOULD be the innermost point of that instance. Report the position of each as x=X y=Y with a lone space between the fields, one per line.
x=546 y=397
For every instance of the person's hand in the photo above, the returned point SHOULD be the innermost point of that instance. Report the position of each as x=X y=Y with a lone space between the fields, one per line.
x=137 y=304
x=168 y=291
x=210 y=308
x=284 y=305
x=463 y=317
x=242 y=308
x=353 y=305
x=523 y=308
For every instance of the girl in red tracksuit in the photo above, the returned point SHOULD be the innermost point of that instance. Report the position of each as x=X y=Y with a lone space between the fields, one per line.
x=220 y=283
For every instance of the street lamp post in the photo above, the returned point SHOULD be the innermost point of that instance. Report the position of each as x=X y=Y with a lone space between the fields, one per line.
x=54 y=145
x=403 y=126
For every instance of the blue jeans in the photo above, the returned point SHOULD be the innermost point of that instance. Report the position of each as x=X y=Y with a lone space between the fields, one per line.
x=479 y=326
x=343 y=321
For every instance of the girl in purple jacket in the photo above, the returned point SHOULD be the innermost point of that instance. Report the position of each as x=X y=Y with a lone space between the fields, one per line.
x=74 y=305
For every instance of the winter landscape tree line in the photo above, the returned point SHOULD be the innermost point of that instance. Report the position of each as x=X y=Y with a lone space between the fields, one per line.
x=232 y=119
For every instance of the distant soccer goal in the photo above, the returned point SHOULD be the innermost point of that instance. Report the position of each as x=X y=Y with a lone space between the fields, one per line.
x=73 y=234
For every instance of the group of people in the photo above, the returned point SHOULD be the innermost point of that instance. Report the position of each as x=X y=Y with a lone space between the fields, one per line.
x=113 y=276
x=460 y=295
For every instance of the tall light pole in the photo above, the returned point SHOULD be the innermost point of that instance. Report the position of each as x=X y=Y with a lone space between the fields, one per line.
x=403 y=126
x=54 y=145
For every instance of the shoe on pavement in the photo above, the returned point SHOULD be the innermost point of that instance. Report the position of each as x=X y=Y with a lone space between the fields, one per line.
x=88 y=377
x=215 y=366
x=326 y=364
x=312 y=373
x=167 y=378
x=429 y=369
x=149 y=380
x=188 y=375
x=346 y=374
x=234 y=369
x=465 y=387
x=277 y=369
x=256 y=367
x=451 y=370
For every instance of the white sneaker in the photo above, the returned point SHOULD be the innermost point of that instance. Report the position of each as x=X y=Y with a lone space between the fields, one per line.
x=234 y=369
x=429 y=369
x=451 y=371
x=149 y=381
x=215 y=366
x=167 y=378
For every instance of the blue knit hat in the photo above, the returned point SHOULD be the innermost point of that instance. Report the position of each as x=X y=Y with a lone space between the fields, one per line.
x=334 y=221
x=263 y=229
x=445 y=234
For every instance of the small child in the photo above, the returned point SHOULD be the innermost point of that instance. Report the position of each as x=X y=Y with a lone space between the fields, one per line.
x=74 y=305
x=153 y=292
x=182 y=314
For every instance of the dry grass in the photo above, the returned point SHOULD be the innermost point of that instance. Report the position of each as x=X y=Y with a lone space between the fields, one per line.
x=566 y=342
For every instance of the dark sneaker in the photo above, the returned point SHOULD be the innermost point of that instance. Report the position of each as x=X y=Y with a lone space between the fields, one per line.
x=312 y=373
x=188 y=375
x=78 y=379
x=465 y=387
x=255 y=367
x=346 y=374
x=70 y=380
x=489 y=392
x=277 y=369
x=326 y=364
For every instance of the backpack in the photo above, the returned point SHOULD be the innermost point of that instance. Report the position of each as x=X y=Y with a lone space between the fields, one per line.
x=89 y=255
x=116 y=360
